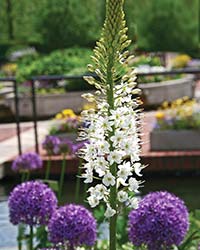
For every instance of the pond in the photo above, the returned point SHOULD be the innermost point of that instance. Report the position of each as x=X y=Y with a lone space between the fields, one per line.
x=186 y=187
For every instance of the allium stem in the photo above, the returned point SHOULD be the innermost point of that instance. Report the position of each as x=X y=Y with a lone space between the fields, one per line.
x=77 y=192
x=20 y=235
x=19 y=240
x=28 y=176
x=85 y=188
x=62 y=176
x=23 y=175
x=19 y=244
x=71 y=247
x=47 y=173
x=31 y=238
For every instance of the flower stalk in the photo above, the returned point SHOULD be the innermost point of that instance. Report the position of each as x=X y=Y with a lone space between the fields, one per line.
x=77 y=192
x=112 y=154
x=31 y=238
x=62 y=177
x=113 y=167
x=47 y=173
x=20 y=236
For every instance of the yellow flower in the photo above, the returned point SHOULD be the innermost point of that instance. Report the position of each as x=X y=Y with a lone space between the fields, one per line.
x=179 y=101
x=59 y=116
x=181 y=61
x=185 y=98
x=9 y=69
x=165 y=105
x=68 y=113
x=91 y=105
x=159 y=115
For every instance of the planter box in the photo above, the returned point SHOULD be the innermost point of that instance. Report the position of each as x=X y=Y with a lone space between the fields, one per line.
x=153 y=94
x=48 y=105
x=175 y=140
x=156 y=93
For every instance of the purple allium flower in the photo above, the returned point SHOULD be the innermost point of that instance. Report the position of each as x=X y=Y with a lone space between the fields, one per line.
x=51 y=144
x=27 y=161
x=51 y=248
x=74 y=225
x=77 y=146
x=73 y=123
x=65 y=146
x=161 y=220
x=31 y=203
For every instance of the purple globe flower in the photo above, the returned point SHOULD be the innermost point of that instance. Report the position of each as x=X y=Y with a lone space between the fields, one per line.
x=31 y=203
x=27 y=161
x=65 y=146
x=77 y=146
x=73 y=225
x=50 y=248
x=161 y=220
x=51 y=144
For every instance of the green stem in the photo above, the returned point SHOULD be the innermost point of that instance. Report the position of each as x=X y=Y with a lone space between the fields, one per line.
x=71 y=247
x=85 y=192
x=28 y=175
x=43 y=239
x=78 y=181
x=19 y=237
x=23 y=175
x=113 y=219
x=31 y=238
x=48 y=168
x=113 y=167
x=62 y=176
x=19 y=244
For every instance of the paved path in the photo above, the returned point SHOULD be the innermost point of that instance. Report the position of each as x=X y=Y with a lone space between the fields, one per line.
x=9 y=147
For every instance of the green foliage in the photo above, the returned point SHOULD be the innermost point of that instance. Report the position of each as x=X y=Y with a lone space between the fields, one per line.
x=41 y=237
x=4 y=47
x=192 y=239
x=58 y=62
x=190 y=243
x=122 y=234
x=49 y=24
x=65 y=23
x=167 y=25
x=78 y=84
x=158 y=78
x=145 y=59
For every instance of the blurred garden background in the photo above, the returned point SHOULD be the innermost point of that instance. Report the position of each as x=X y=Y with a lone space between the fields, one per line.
x=45 y=46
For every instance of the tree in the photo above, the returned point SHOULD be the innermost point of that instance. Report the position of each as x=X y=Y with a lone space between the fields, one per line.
x=168 y=25
x=65 y=23
x=9 y=19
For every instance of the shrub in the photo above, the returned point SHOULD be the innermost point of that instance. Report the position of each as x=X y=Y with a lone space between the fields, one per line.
x=58 y=62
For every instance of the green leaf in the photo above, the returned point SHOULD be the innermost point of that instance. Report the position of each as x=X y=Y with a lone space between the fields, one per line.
x=190 y=239
x=52 y=184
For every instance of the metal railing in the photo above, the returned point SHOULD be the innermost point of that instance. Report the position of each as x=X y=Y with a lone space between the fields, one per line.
x=63 y=77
